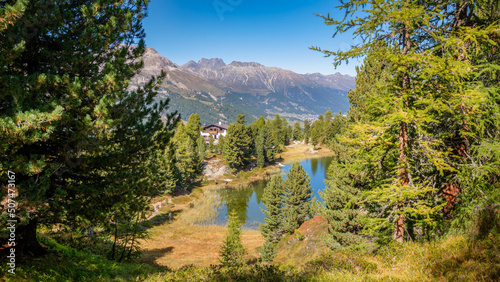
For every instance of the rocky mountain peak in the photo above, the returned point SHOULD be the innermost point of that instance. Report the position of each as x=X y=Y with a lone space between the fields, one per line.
x=214 y=63
x=245 y=64
x=191 y=65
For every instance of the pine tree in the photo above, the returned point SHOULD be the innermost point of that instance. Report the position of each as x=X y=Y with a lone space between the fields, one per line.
x=232 y=251
x=347 y=176
x=297 y=131
x=72 y=132
x=260 y=148
x=211 y=145
x=315 y=136
x=237 y=144
x=297 y=198
x=307 y=132
x=271 y=146
x=220 y=144
x=268 y=251
x=272 y=199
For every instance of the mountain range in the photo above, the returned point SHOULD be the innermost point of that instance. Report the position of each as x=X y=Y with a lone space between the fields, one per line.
x=219 y=92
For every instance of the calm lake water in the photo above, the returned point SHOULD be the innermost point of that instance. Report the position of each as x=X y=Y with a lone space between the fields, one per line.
x=247 y=201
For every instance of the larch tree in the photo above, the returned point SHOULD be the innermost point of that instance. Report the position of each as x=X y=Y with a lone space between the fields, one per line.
x=427 y=95
x=78 y=141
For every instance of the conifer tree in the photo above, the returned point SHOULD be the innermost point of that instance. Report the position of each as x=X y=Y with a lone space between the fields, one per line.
x=271 y=142
x=260 y=148
x=297 y=131
x=193 y=127
x=411 y=134
x=237 y=144
x=273 y=197
x=268 y=251
x=232 y=251
x=220 y=144
x=79 y=141
x=307 y=132
x=201 y=146
x=297 y=198
x=211 y=145
x=314 y=136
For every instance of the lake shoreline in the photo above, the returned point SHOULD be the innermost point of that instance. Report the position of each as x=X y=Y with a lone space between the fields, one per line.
x=199 y=244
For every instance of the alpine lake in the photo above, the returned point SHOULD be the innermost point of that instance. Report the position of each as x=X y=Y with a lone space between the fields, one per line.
x=246 y=200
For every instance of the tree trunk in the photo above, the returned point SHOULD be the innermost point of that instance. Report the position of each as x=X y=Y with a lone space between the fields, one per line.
x=403 y=178
x=27 y=244
x=403 y=141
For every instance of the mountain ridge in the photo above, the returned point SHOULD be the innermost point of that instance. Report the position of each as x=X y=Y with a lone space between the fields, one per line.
x=219 y=91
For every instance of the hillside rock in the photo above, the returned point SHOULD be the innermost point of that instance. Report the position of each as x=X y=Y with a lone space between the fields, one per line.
x=214 y=169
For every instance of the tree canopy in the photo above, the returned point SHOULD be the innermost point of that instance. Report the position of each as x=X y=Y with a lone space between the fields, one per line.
x=79 y=141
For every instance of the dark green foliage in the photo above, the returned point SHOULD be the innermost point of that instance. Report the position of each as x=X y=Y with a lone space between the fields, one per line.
x=260 y=148
x=297 y=197
x=273 y=198
x=232 y=251
x=307 y=131
x=315 y=136
x=220 y=144
x=211 y=144
x=340 y=200
x=297 y=132
x=83 y=147
x=237 y=144
x=268 y=251
x=241 y=119
x=188 y=159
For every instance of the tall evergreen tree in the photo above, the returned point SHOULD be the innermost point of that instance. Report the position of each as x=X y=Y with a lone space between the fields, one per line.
x=410 y=133
x=237 y=144
x=260 y=148
x=297 y=198
x=297 y=131
x=273 y=197
x=79 y=142
x=307 y=131
x=232 y=250
x=315 y=136
x=211 y=145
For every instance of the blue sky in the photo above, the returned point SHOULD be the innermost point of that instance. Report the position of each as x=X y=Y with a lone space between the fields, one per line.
x=274 y=33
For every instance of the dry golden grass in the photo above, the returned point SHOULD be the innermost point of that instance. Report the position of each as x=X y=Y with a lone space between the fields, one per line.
x=179 y=243
x=182 y=242
x=297 y=152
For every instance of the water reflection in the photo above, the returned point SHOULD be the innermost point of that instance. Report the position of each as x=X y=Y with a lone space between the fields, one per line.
x=246 y=201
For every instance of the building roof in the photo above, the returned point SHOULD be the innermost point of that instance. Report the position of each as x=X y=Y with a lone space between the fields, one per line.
x=219 y=125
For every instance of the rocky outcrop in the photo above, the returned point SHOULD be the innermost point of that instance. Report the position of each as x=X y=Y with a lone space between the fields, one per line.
x=215 y=169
